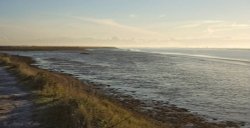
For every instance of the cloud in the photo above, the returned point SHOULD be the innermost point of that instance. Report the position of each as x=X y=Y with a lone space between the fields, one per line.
x=132 y=16
x=212 y=21
x=200 y=23
x=229 y=27
x=3 y=36
x=162 y=16
x=114 y=24
x=210 y=31
x=215 y=27
x=243 y=26
x=192 y=25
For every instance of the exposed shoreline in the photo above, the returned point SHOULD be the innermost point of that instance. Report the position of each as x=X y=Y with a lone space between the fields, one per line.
x=15 y=102
x=161 y=116
x=169 y=113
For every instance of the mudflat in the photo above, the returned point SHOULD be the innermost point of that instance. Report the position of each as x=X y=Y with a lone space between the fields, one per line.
x=15 y=104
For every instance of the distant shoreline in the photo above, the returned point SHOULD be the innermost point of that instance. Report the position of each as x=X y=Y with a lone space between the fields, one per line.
x=58 y=48
x=46 y=48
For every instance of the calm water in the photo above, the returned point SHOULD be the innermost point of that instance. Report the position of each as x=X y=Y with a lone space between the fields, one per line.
x=211 y=82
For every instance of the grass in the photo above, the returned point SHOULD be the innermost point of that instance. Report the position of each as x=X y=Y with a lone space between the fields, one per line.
x=65 y=102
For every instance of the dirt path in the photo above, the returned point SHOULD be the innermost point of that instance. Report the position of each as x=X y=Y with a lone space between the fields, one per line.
x=15 y=106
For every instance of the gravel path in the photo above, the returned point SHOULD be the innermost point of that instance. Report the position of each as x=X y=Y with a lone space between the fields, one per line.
x=15 y=106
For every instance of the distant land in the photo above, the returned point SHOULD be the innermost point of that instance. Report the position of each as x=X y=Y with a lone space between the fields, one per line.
x=46 y=48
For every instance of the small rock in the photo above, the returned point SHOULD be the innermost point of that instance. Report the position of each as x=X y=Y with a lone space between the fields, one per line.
x=189 y=125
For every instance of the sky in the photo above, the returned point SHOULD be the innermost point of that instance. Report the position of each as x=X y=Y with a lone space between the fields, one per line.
x=126 y=23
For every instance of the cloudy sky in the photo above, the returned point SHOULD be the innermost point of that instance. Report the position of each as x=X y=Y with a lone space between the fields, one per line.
x=126 y=23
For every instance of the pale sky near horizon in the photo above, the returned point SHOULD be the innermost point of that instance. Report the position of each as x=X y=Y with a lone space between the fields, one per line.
x=126 y=23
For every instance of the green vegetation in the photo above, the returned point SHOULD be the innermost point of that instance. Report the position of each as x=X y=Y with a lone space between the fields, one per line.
x=65 y=102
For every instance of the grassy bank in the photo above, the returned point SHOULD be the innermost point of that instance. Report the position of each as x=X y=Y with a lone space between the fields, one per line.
x=65 y=102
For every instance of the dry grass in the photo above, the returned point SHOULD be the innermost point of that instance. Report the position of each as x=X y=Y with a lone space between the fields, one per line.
x=67 y=103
